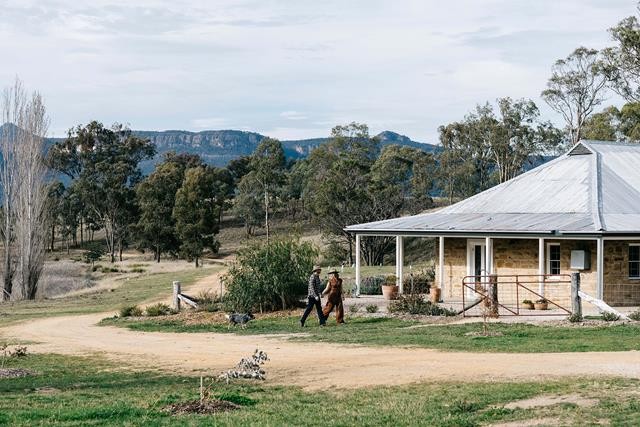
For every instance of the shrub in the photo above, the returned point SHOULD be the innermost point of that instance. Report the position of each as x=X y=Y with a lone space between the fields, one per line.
x=607 y=316
x=371 y=285
x=417 y=283
x=575 y=318
x=372 y=308
x=270 y=276
x=93 y=253
x=130 y=311
x=354 y=308
x=209 y=301
x=159 y=309
x=635 y=315
x=416 y=304
x=137 y=270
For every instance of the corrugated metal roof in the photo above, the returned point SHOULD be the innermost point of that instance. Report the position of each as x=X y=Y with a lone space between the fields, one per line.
x=593 y=189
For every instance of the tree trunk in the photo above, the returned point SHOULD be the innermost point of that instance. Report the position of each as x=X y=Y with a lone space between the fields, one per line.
x=266 y=213
x=158 y=253
x=197 y=264
x=53 y=237
x=81 y=233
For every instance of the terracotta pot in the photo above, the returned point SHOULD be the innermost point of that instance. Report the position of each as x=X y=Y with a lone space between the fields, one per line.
x=541 y=305
x=390 y=291
x=526 y=306
x=435 y=294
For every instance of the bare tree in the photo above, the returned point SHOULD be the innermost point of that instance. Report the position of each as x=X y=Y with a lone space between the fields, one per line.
x=577 y=85
x=24 y=193
x=31 y=197
x=13 y=100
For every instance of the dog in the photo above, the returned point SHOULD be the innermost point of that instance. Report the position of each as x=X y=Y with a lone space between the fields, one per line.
x=239 y=319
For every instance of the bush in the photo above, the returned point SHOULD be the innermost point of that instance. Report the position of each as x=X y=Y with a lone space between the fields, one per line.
x=371 y=285
x=270 y=276
x=93 y=253
x=575 y=318
x=335 y=254
x=372 y=308
x=607 y=316
x=354 y=308
x=130 y=311
x=159 y=309
x=421 y=283
x=137 y=270
x=416 y=304
x=209 y=301
x=635 y=315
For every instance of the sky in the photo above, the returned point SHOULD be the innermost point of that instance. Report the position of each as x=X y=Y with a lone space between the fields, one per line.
x=291 y=69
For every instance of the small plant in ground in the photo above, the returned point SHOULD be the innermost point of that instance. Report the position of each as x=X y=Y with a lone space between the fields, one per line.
x=635 y=315
x=608 y=316
x=371 y=308
x=130 y=311
x=354 y=308
x=416 y=304
x=575 y=318
x=18 y=351
x=159 y=309
x=137 y=270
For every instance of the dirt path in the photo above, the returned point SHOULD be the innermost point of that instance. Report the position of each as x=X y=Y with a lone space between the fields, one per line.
x=307 y=364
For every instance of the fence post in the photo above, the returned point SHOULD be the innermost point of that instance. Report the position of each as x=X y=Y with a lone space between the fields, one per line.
x=493 y=295
x=176 y=292
x=576 y=301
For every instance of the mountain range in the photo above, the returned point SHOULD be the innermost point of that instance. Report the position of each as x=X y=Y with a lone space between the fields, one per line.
x=218 y=147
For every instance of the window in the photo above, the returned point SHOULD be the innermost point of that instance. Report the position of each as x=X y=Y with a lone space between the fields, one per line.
x=553 y=259
x=634 y=261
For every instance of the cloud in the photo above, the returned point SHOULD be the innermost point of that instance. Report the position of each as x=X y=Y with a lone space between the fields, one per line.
x=295 y=69
x=293 y=115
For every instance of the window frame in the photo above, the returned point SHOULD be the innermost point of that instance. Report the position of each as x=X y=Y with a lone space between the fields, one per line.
x=629 y=261
x=550 y=275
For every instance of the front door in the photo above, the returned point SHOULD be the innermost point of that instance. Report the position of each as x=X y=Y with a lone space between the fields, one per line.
x=476 y=262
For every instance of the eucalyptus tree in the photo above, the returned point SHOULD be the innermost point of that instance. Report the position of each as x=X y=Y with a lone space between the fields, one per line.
x=103 y=162
x=576 y=87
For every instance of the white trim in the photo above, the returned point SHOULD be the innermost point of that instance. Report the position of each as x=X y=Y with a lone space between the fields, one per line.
x=600 y=268
x=441 y=264
x=358 y=237
x=548 y=261
x=541 y=264
x=399 y=262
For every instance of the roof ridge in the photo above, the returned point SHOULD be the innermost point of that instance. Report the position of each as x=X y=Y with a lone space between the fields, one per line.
x=596 y=192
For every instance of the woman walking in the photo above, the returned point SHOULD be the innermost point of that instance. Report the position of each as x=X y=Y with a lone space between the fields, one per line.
x=334 y=299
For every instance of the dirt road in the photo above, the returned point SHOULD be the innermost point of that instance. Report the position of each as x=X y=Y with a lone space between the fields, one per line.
x=307 y=364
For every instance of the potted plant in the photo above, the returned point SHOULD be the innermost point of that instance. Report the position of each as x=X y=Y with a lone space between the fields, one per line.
x=541 y=304
x=527 y=304
x=390 y=287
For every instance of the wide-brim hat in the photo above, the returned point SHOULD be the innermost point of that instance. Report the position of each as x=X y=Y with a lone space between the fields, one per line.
x=316 y=268
x=334 y=272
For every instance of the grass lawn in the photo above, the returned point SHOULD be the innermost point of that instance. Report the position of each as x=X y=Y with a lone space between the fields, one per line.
x=79 y=391
x=516 y=338
x=131 y=291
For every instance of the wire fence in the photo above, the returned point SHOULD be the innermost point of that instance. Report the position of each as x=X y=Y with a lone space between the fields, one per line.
x=620 y=290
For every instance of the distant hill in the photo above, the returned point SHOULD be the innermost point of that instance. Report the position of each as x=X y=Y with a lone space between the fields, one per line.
x=218 y=147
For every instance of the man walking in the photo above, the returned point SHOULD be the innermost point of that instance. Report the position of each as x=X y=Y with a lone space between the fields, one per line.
x=314 y=291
